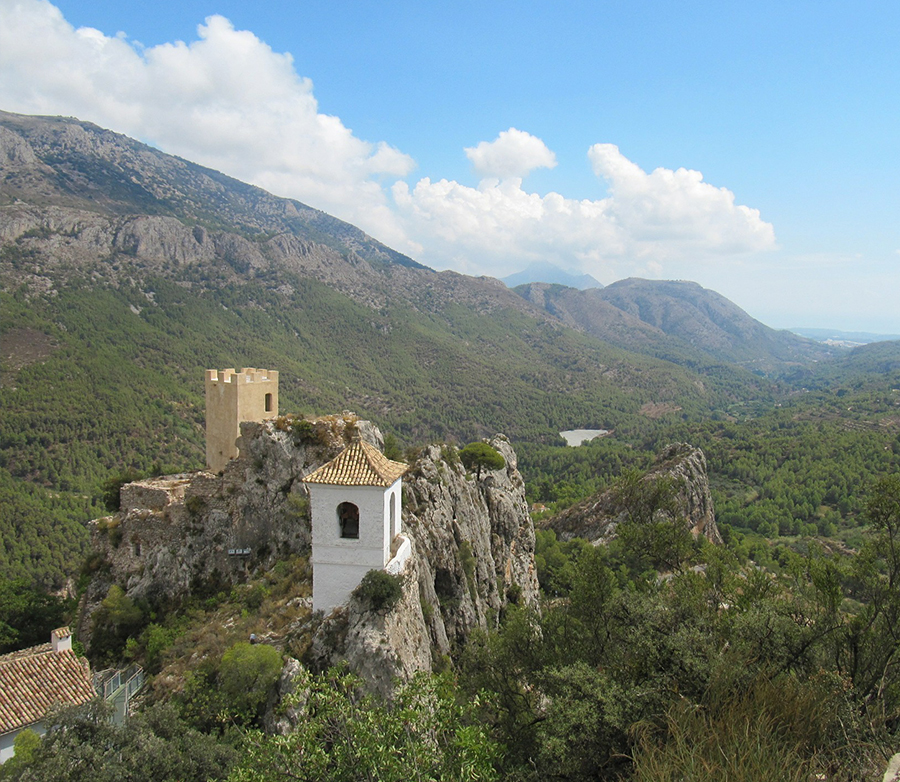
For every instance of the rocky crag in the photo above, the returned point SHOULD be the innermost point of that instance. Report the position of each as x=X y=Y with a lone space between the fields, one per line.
x=597 y=517
x=472 y=544
x=473 y=553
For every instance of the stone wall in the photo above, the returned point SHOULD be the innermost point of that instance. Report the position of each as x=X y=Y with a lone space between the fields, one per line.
x=201 y=531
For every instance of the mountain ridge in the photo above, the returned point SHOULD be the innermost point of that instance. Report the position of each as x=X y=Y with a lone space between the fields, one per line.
x=676 y=320
x=125 y=273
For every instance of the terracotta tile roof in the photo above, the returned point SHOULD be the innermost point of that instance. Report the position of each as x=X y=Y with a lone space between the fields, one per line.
x=34 y=680
x=359 y=464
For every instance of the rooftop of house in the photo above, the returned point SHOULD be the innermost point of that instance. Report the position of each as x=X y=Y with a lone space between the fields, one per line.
x=34 y=680
x=359 y=464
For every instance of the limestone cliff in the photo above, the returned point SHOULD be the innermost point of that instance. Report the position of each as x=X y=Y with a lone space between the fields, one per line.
x=595 y=518
x=472 y=543
x=473 y=553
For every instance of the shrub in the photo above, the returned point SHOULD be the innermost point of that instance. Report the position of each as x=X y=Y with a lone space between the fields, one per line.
x=379 y=590
x=392 y=448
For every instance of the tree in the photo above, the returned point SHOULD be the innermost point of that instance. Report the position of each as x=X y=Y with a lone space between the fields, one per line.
x=232 y=690
x=655 y=531
x=480 y=455
x=246 y=675
x=26 y=744
x=27 y=615
x=113 y=485
x=343 y=733
x=82 y=745
x=117 y=619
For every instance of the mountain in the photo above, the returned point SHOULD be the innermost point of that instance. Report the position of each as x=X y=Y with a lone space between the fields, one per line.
x=676 y=320
x=125 y=273
x=552 y=274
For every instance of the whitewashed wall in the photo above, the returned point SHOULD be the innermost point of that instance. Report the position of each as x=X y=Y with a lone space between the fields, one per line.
x=340 y=563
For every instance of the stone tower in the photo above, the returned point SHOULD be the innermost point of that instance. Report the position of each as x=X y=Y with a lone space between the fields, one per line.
x=355 y=509
x=232 y=397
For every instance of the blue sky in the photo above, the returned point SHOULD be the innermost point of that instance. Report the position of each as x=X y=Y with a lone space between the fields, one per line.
x=751 y=147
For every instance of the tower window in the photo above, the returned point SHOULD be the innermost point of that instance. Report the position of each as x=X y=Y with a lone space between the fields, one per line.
x=348 y=517
x=268 y=403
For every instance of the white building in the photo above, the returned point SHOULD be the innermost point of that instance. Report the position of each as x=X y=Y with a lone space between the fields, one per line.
x=34 y=680
x=355 y=505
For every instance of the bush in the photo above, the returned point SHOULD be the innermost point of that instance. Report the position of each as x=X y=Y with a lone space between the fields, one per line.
x=379 y=589
x=246 y=674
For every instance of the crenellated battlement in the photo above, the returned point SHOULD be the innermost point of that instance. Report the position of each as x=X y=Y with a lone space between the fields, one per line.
x=245 y=375
x=232 y=396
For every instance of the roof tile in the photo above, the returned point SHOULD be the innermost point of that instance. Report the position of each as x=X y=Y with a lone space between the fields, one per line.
x=359 y=464
x=33 y=680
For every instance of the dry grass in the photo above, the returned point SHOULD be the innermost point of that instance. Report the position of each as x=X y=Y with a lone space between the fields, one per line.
x=271 y=607
x=778 y=731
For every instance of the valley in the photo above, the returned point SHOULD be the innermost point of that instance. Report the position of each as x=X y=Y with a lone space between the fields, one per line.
x=126 y=273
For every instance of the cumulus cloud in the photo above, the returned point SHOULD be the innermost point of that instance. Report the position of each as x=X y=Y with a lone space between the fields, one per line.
x=514 y=153
x=647 y=222
x=228 y=101
x=225 y=100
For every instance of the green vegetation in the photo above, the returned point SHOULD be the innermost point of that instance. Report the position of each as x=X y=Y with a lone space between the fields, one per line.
x=231 y=690
x=802 y=467
x=655 y=658
x=121 y=392
x=28 y=615
x=480 y=456
x=720 y=671
x=379 y=590
x=82 y=745
x=342 y=733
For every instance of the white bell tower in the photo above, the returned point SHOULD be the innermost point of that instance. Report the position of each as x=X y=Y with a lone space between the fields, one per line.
x=355 y=505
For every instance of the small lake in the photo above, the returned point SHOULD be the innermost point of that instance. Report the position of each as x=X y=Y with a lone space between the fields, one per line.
x=577 y=436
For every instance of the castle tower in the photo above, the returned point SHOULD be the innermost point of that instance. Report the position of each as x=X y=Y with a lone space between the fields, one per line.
x=232 y=397
x=355 y=504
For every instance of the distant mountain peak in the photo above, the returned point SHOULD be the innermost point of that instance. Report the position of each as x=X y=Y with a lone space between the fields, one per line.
x=551 y=274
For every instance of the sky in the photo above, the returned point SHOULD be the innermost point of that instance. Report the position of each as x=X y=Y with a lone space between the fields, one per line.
x=749 y=147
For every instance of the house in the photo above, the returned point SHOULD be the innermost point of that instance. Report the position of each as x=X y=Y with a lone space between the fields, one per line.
x=355 y=506
x=34 y=680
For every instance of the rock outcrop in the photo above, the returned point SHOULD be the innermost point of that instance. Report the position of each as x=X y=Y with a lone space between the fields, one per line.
x=596 y=518
x=199 y=531
x=473 y=553
x=472 y=542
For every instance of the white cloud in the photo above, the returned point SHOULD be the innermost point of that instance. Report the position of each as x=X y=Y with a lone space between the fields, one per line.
x=225 y=100
x=228 y=101
x=514 y=153
x=646 y=223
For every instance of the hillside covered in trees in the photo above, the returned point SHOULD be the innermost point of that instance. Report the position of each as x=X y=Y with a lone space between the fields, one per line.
x=125 y=273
